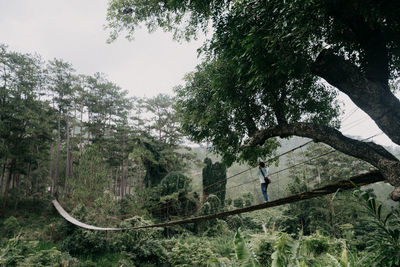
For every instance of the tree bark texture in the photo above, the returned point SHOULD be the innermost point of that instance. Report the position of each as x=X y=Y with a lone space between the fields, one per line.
x=28 y=183
x=116 y=184
x=67 y=163
x=370 y=152
x=38 y=171
x=8 y=182
x=111 y=180
x=51 y=175
x=3 y=170
x=372 y=96
x=80 y=133
x=56 y=168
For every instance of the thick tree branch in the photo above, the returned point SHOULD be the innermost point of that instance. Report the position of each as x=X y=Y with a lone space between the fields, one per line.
x=375 y=98
x=370 y=152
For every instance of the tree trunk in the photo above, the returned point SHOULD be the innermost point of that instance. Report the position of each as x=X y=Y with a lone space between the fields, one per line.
x=3 y=170
x=331 y=215
x=51 y=175
x=111 y=180
x=123 y=176
x=73 y=126
x=67 y=163
x=55 y=191
x=131 y=181
x=13 y=182
x=28 y=185
x=116 y=181
x=373 y=96
x=18 y=179
x=71 y=160
x=122 y=185
x=80 y=132
x=88 y=130
x=38 y=171
x=370 y=152
x=8 y=181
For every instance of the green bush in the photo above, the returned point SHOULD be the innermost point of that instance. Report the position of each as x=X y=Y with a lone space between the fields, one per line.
x=58 y=230
x=317 y=244
x=244 y=251
x=264 y=250
x=234 y=222
x=211 y=205
x=142 y=246
x=174 y=182
x=79 y=241
x=84 y=242
x=384 y=235
x=49 y=257
x=106 y=204
x=126 y=206
x=124 y=241
x=238 y=202
x=148 y=252
x=191 y=252
x=251 y=223
x=171 y=197
x=88 y=263
x=19 y=252
x=248 y=199
x=11 y=226
x=222 y=245
x=213 y=227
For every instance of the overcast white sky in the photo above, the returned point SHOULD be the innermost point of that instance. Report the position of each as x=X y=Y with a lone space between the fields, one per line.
x=153 y=63
x=73 y=30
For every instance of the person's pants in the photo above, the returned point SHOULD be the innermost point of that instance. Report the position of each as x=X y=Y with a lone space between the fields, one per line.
x=264 y=191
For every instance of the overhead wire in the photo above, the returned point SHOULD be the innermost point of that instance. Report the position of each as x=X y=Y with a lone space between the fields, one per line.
x=359 y=180
x=354 y=124
x=161 y=206
x=236 y=174
x=350 y=114
x=241 y=172
x=297 y=164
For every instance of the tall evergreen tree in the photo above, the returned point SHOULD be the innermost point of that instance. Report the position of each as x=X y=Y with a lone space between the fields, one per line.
x=164 y=121
x=24 y=124
x=61 y=81
x=214 y=180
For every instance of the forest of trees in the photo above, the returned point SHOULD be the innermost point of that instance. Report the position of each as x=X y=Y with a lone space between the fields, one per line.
x=58 y=126
x=113 y=160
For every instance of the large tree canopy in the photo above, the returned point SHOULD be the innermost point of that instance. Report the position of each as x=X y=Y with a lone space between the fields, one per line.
x=265 y=61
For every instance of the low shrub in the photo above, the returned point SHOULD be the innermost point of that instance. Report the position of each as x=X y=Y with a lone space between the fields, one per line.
x=19 y=252
x=147 y=252
x=11 y=226
x=191 y=252
x=84 y=242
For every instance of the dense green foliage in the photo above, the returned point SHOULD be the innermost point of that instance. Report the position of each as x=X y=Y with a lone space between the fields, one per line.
x=214 y=180
x=334 y=212
x=262 y=73
x=77 y=136
x=109 y=170
x=172 y=198
x=117 y=161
